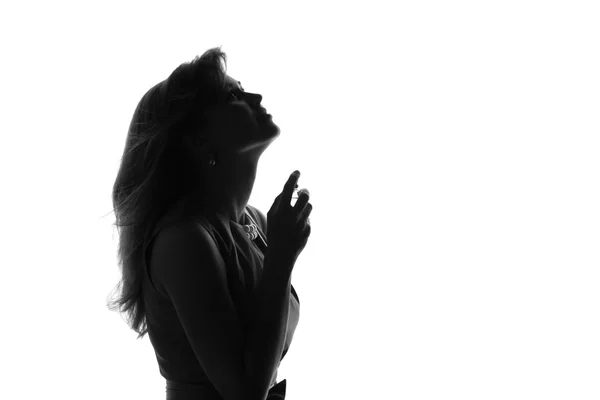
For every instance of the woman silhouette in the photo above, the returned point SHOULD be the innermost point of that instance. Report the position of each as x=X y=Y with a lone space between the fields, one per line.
x=219 y=308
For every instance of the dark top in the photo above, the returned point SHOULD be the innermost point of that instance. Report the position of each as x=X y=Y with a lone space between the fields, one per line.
x=244 y=261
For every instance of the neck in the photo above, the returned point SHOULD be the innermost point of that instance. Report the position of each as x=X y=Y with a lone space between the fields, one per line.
x=224 y=189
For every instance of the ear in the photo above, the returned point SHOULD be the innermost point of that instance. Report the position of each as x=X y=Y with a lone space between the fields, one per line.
x=195 y=143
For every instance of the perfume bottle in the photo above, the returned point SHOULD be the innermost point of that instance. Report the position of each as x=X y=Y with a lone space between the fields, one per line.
x=294 y=196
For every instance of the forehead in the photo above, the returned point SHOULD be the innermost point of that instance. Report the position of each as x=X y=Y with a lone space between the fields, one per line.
x=231 y=83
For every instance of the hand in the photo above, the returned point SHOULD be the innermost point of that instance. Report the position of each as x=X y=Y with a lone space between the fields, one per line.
x=287 y=227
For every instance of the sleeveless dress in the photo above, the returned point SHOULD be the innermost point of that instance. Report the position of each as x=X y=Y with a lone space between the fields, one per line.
x=244 y=260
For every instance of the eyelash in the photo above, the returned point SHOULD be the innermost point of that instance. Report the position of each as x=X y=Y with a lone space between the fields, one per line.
x=236 y=98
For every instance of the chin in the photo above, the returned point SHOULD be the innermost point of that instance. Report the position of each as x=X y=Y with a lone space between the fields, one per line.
x=267 y=125
x=275 y=129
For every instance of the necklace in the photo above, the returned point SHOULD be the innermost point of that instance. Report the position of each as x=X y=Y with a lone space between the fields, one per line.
x=251 y=231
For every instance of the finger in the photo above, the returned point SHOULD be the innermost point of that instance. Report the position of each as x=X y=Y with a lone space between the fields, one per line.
x=305 y=213
x=306 y=232
x=303 y=197
x=288 y=189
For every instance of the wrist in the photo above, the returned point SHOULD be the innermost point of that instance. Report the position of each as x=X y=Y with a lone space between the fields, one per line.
x=279 y=262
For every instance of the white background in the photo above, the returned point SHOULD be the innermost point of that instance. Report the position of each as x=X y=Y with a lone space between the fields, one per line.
x=451 y=150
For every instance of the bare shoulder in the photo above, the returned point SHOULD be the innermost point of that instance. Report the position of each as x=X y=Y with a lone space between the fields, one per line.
x=188 y=264
x=179 y=247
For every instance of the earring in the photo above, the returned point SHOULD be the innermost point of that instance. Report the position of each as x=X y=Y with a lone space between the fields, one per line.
x=212 y=161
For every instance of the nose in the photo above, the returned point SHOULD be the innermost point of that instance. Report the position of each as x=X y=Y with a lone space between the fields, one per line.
x=256 y=98
x=253 y=100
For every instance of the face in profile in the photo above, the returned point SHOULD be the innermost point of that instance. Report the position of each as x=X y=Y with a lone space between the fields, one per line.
x=239 y=122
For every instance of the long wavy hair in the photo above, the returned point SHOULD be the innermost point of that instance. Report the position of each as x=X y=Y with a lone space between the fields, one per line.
x=155 y=169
